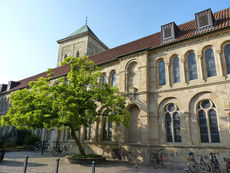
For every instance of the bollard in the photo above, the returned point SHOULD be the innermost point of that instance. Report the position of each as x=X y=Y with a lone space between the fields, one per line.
x=42 y=147
x=93 y=166
x=57 y=165
x=25 y=163
x=136 y=168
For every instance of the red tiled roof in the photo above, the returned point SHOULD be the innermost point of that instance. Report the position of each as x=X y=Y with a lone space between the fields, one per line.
x=188 y=30
x=59 y=71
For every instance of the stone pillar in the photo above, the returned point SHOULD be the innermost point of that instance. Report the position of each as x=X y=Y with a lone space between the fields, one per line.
x=155 y=78
x=227 y=110
x=219 y=68
x=182 y=71
x=122 y=84
x=118 y=80
x=188 y=125
x=199 y=67
x=167 y=74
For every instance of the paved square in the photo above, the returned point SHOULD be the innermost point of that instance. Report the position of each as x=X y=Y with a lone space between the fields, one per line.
x=14 y=161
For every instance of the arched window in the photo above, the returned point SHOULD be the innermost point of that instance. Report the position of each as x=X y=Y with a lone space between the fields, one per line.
x=113 y=78
x=88 y=133
x=176 y=70
x=192 y=66
x=210 y=63
x=104 y=78
x=77 y=54
x=161 y=73
x=207 y=116
x=132 y=70
x=227 y=57
x=133 y=130
x=172 y=123
x=107 y=130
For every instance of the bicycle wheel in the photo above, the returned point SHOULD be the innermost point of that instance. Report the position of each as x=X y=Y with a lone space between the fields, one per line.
x=36 y=147
x=47 y=147
x=215 y=168
x=66 y=151
x=55 y=151
x=192 y=167
x=204 y=166
x=156 y=163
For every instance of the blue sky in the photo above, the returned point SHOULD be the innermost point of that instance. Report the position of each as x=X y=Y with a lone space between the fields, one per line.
x=29 y=29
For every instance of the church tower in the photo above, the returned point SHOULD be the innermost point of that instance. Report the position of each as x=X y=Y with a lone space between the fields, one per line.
x=80 y=43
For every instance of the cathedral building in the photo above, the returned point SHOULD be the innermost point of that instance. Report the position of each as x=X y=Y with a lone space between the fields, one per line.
x=178 y=87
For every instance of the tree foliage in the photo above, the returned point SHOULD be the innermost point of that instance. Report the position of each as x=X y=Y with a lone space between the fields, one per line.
x=75 y=100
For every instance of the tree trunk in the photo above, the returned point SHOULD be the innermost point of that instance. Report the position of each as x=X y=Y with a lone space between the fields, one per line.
x=81 y=149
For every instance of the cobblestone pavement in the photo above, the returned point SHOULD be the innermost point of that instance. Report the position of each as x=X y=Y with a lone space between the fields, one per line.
x=14 y=161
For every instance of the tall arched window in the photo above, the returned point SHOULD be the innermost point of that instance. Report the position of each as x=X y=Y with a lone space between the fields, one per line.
x=176 y=70
x=207 y=116
x=104 y=78
x=77 y=54
x=113 y=78
x=161 y=73
x=210 y=63
x=227 y=57
x=172 y=123
x=88 y=133
x=107 y=130
x=192 y=66
x=132 y=70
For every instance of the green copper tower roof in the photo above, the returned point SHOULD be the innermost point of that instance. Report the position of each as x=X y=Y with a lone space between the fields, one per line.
x=82 y=30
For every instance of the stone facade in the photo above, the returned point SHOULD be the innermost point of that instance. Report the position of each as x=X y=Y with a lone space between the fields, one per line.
x=147 y=131
x=169 y=108
x=83 y=44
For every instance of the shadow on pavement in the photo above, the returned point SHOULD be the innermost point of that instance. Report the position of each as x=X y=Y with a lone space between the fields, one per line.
x=21 y=154
x=12 y=163
x=111 y=163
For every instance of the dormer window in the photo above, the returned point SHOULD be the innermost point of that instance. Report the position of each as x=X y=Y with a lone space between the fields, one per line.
x=3 y=87
x=12 y=84
x=204 y=20
x=169 y=32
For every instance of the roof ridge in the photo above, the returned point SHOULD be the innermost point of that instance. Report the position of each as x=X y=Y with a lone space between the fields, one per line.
x=182 y=24
x=150 y=41
x=44 y=72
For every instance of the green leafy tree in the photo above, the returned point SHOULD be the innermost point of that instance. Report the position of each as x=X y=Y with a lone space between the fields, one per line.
x=75 y=100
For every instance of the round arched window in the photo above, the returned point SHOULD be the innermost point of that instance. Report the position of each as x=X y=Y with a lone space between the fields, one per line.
x=113 y=78
x=207 y=118
x=172 y=123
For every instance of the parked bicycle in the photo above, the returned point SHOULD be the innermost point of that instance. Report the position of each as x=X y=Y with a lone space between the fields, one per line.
x=195 y=167
x=158 y=159
x=59 y=150
x=38 y=146
x=227 y=160
x=215 y=166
